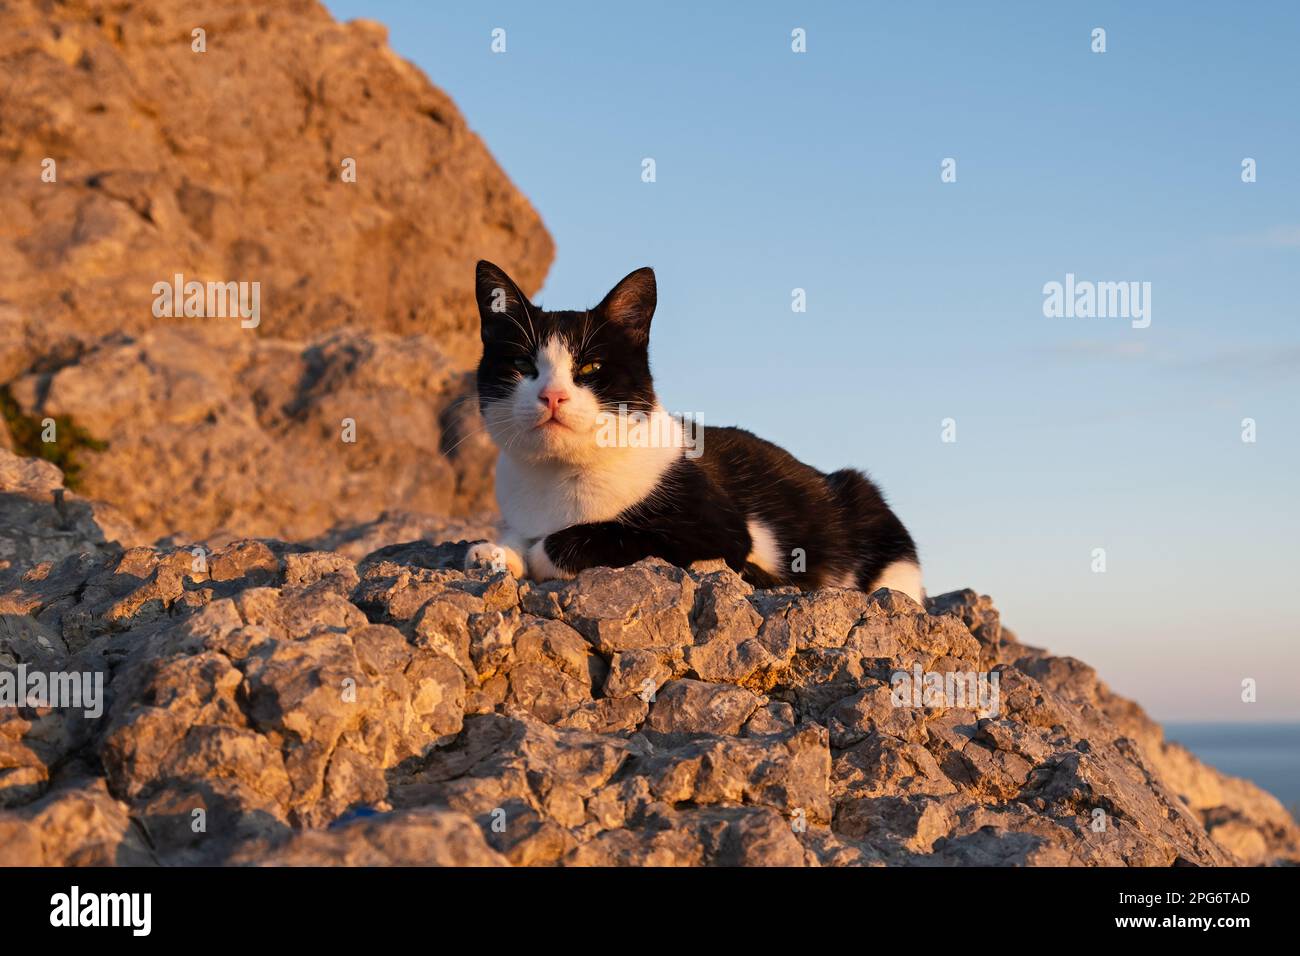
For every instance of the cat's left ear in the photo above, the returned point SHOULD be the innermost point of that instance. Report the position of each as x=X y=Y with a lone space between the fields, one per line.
x=631 y=303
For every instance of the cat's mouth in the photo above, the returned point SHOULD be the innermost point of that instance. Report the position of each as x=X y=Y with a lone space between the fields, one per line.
x=552 y=424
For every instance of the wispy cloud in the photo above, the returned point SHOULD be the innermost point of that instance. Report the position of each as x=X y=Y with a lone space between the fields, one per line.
x=1278 y=237
x=1255 y=360
x=1099 y=349
x=1261 y=361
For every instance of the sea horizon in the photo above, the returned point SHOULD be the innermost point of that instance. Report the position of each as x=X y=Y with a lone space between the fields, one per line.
x=1265 y=752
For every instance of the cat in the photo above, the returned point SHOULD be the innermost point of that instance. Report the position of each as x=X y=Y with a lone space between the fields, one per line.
x=549 y=385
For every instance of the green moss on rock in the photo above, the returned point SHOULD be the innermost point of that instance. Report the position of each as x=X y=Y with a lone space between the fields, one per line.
x=71 y=440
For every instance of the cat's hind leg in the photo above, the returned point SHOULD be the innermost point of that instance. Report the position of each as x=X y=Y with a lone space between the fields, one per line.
x=886 y=555
x=903 y=575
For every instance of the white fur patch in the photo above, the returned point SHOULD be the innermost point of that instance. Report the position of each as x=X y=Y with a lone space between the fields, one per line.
x=554 y=367
x=540 y=565
x=764 y=552
x=498 y=557
x=902 y=576
x=540 y=496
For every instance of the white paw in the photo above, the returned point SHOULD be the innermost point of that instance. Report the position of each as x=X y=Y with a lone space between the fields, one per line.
x=540 y=565
x=497 y=557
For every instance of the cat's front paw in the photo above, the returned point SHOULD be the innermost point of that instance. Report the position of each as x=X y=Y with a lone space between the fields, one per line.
x=540 y=565
x=496 y=557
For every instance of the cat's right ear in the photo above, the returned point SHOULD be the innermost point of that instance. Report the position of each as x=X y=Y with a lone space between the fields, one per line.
x=502 y=307
x=630 y=305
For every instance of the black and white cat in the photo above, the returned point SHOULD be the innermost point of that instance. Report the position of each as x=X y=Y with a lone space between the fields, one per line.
x=571 y=499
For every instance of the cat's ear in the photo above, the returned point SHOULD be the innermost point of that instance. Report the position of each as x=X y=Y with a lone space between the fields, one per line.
x=502 y=308
x=631 y=303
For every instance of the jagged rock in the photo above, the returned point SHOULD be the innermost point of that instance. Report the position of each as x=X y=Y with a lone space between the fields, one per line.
x=424 y=837
x=80 y=825
x=737 y=836
x=279 y=704
x=270 y=437
x=646 y=606
x=234 y=165
x=41 y=521
x=229 y=164
x=356 y=540
x=696 y=707
x=727 y=629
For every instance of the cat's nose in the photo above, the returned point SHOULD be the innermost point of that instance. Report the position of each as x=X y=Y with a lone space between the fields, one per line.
x=551 y=396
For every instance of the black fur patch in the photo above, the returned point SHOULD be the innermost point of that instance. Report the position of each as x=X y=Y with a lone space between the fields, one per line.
x=827 y=527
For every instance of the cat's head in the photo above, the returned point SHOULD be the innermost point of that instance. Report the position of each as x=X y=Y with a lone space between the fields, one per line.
x=548 y=381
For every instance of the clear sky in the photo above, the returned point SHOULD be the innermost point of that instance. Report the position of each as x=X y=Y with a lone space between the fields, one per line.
x=778 y=170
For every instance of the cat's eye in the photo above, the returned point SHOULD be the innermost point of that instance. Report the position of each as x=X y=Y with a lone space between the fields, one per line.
x=590 y=368
x=525 y=367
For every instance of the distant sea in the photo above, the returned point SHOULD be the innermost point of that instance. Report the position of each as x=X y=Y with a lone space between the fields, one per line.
x=1268 y=754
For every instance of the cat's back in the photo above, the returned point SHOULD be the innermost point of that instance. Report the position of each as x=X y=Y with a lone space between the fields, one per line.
x=746 y=466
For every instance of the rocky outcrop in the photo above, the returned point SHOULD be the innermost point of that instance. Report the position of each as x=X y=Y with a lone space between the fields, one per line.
x=273 y=703
x=40 y=520
x=131 y=156
x=267 y=437
x=228 y=163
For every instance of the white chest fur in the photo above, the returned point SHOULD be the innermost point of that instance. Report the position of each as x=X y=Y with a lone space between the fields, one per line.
x=540 y=497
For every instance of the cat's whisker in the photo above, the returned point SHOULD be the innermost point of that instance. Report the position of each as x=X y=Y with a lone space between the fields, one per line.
x=483 y=430
x=528 y=343
x=601 y=326
x=529 y=315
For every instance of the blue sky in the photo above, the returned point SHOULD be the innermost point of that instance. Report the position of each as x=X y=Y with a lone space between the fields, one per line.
x=821 y=171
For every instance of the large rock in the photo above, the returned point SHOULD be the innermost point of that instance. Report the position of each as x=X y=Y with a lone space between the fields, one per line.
x=228 y=165
x=275 y=704
x=40 y=520
x=267 y=437
x=353 y=394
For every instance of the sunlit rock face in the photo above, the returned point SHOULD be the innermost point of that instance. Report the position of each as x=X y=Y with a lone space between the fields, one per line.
x=275 y=703
x=281 y=151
